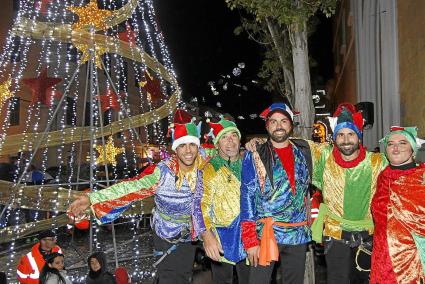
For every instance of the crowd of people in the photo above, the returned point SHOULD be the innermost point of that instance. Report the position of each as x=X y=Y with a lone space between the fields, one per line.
x=44 y=264
x=252 y=210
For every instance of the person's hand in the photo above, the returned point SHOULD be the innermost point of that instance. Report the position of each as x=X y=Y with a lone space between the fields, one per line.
x=251 y=145
x=212 y=247
x=423 y=178
x=253 y=255
x=79 y=206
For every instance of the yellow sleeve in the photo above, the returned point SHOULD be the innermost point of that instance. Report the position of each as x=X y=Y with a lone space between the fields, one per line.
x=208 y=196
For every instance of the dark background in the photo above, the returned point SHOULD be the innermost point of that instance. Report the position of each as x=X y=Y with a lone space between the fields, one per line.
x=202 y=45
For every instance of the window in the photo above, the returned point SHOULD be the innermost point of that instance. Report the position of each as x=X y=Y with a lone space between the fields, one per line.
x=14 y=112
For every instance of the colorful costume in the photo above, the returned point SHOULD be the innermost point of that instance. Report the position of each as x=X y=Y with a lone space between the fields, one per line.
x=398 y=210
x=176 y=192
x=274 y=187
x=221 y=205
x=174 y=202
x=347 y=187
x=398 y=254
x=267 y=193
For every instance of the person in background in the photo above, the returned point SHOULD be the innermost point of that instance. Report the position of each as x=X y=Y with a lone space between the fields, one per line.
x=398 y=209
x=3 y=278
x=36 y=177
x=121 y=276
x=53 y=270
x=98 y=270
x=30 y=265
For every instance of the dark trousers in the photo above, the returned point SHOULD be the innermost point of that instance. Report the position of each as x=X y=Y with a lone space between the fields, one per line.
x=222 y=273
x=341 y=263
x=292 y=265
x=177 y=267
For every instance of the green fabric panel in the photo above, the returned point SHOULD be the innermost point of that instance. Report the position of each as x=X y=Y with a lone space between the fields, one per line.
x=420 y=245
x=319 y=166
x=317 y=226
x=192 y=130
x=357 y=190
x=126 y=187
x=235 y=167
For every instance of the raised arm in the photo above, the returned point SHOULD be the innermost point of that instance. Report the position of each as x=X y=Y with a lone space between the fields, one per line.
x=108 y=204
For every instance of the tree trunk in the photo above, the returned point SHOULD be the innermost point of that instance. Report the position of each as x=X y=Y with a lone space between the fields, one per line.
x=303 y=99
x=279 y=44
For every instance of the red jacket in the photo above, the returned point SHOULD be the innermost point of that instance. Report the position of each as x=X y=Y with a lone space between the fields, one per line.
x=30 y=265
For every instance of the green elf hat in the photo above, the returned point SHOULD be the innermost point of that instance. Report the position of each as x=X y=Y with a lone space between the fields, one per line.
x=222 y=127
x=410 y=133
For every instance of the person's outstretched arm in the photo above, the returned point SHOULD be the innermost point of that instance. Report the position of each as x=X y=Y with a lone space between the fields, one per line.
x=108 y=204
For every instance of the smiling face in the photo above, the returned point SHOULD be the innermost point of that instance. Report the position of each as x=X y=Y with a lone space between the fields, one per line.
x=186 y=154
x=279 y=127
x=348 y=143
x=228 y=145
x=399 y=151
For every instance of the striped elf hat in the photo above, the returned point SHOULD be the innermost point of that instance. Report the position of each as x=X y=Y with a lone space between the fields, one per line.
x=278 y=107
x=347 y=116
x=222 y=127
x=182 y=133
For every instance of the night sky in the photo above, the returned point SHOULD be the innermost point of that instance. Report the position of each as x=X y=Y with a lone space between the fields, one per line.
x=199 y=35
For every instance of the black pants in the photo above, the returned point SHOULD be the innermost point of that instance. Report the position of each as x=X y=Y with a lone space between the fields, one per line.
x=341 y=263
x=292 y=265
x=222 y=273
x=177 y=267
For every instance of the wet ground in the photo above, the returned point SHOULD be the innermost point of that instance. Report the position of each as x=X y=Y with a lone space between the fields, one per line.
x=134 y=252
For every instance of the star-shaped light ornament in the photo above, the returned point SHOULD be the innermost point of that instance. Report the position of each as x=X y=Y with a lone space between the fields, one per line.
x=110 y=153
x=5 y=92
x=41 y=87
x=152 y=86
x=86 y=49
x=90 y=16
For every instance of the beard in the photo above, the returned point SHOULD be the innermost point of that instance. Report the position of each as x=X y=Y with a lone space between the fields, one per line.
x=279 y=139
x=348 y=151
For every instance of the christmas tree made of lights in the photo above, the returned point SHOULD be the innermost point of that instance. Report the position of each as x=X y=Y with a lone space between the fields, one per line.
x=83 y=85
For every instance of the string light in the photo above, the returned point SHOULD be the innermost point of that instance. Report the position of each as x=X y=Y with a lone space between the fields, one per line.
x=90 y=16
x=50 y=51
